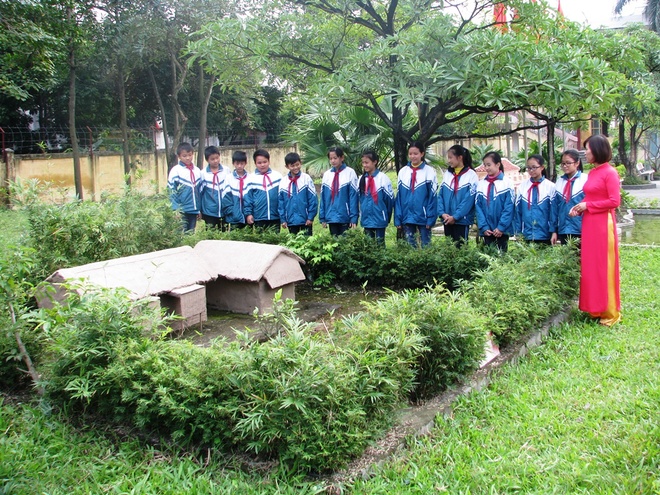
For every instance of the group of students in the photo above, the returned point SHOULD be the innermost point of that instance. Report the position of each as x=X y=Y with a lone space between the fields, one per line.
x=225 y=199
x=539 y=211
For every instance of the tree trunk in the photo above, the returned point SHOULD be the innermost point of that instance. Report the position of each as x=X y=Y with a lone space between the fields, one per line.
x=163 y=118
x=205 y=98
x=552 y=169
x=178 y=74
x=633 y=145
x=77 y=176
x=623 y=156
x=124 y=123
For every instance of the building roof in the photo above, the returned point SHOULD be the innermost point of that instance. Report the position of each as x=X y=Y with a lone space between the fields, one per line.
x=153 y=274
x=250 y=262
x=143 y=275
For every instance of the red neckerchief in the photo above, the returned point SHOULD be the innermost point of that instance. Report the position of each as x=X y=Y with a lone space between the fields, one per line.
x=456 y=178
x=490 y=187
x=535 y=185
x=335 y=185
x=568 y=188
x=413 y=177
x=371 y=185
x=192 y=174
x=293 y=181
x=270 y=182
x=240 y=187
x=215 y=179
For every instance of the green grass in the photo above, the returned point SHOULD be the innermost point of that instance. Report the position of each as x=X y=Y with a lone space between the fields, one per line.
x=13 y=223
x=578 y=415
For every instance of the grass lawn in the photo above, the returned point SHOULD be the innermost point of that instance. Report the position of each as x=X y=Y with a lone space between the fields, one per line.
x=578 y=415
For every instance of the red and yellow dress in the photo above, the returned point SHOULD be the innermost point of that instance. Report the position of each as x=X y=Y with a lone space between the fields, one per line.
x=599 y=277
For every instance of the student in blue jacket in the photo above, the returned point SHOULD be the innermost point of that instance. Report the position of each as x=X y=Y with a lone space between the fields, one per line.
x=339 y=195
x=568 y=193
x=534 y=203
x=376 y=198
x=183 y=183
x=494 y=205
x=297 y=200
x=457 y=194
x=212 y=188
x=416 y=204
x=263 y=187
x=233 y=197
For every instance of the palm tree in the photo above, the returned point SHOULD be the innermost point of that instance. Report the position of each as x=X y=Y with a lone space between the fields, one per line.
x=651 y=12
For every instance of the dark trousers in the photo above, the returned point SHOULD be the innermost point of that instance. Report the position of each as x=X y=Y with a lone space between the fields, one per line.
x=213 y=222
x=502 y=243
x=189 y=221
x=294 y=229
x=410 y=232
x=564 y=238
x=236 y=226
x=268 y=224
x=338 y=229
x=378 y=234
x=458 y=233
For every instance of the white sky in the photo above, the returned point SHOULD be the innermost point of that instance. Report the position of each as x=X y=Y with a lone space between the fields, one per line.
x=597 y=12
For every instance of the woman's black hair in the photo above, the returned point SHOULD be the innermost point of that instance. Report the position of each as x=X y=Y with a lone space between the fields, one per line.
x=541 y=161
x=575 y=156
x=373 y=156
x=419 y=145
x=496 y=159
x=462 y=151
x=337 y=151
x=600 y=148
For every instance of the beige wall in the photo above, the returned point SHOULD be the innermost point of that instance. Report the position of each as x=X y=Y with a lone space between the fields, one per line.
x=103 y=173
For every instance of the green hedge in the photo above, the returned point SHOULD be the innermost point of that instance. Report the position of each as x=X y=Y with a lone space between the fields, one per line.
x=312 y=399
x=82 y=232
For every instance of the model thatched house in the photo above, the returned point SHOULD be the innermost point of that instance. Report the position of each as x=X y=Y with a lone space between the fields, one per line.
x=226 y=275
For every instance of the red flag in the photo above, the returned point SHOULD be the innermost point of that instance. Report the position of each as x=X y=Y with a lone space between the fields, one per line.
x=561 y=12
x=499 y=15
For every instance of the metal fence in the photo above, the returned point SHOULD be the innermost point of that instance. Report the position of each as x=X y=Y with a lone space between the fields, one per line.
x=48 y=140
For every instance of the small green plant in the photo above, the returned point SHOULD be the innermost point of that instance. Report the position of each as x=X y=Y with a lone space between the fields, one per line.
x=281 y=317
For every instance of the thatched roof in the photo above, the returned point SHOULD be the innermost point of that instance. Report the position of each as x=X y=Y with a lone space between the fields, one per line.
x=250 y=262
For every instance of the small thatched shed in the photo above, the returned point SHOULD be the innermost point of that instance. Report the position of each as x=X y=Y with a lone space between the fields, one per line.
x=247 y=275
x=173 y=275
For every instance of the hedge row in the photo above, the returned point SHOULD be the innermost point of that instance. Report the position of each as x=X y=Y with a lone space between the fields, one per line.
x=311 y=399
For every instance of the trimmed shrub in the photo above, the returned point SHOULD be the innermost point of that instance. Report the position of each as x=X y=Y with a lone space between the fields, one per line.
x=453 y=331
x=524 y=288
x=82 y=232
x=301 y=396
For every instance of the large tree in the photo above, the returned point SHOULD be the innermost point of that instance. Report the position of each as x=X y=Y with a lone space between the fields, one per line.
x=438 y=64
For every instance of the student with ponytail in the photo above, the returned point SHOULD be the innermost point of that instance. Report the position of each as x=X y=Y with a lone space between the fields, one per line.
x=494 y=204
x=376 y=198
x=416 y=205
x=534 y=203
x=568 y=192
x=457 y=194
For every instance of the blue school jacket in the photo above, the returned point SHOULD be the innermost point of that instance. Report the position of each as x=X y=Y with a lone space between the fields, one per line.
x=261 y=198
x=212 y=189
x=376 y=215
x=344 y=207
x=184 y=186
x=563 y=203
x=297 y=201
x=533 y=218
x=498 y=212
x=418 y=205
x=233 y=198
x=459 y=203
